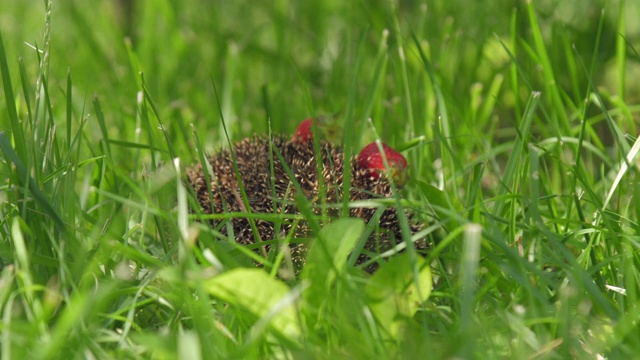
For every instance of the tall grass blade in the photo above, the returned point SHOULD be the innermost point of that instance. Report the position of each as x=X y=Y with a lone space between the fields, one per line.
x=39 y=196
x=16 y=127
x=514 y=162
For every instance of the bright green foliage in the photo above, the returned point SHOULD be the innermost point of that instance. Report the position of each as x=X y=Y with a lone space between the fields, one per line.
x=327 y=256
x=394 y=295
x=260 y=296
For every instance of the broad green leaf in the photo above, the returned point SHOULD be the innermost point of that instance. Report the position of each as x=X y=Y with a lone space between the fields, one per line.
x=394 y=295
x=327 y=256
x=253 y=290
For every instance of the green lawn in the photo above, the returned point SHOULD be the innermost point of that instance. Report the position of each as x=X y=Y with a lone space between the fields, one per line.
x=518 y=119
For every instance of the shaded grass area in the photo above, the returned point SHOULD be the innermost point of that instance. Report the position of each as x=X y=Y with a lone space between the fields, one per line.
x=519 y=124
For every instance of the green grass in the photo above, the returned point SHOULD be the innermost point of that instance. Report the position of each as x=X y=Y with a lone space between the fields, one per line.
x=519 y=124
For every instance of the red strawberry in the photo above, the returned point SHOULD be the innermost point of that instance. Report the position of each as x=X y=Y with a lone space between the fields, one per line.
x=304 y=132
x=371 y=159
x=327 y=127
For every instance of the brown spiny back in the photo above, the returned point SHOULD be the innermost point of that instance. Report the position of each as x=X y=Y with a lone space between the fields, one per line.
x=254 y=164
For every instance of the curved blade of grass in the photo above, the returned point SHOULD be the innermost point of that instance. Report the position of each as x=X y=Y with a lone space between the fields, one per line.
x=624 y=167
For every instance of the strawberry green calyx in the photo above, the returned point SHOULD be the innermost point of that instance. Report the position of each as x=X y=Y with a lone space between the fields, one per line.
x=371 y=159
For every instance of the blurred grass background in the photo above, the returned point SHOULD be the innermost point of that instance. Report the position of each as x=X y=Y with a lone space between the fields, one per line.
x=129 y=83
x=286 y=47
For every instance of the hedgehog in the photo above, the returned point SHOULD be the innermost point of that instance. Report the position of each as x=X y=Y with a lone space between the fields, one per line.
x=258 y=157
